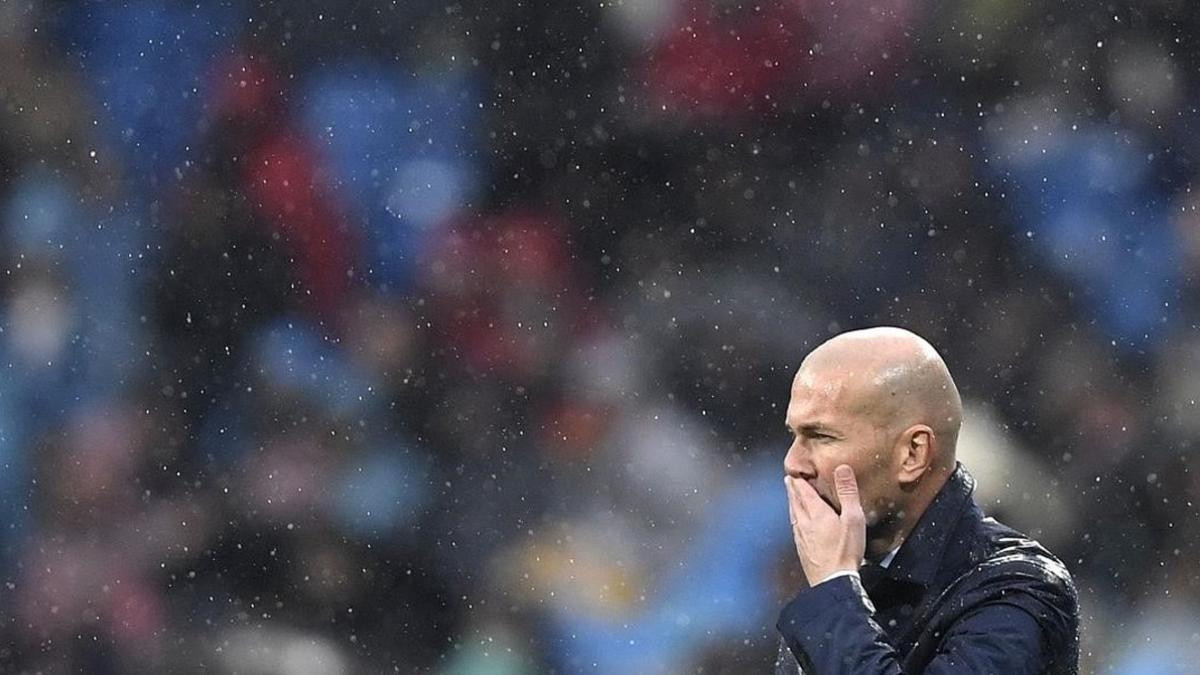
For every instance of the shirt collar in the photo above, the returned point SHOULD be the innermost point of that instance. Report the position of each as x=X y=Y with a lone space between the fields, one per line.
x=886 y=560
x=918 y=558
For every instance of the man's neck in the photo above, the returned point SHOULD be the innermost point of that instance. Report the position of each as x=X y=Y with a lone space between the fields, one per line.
x=878 y=547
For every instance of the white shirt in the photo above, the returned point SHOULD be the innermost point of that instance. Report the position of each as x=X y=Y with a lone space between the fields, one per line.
x=884 y=562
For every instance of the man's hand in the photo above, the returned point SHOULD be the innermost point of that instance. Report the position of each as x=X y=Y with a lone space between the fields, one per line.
x=826 y=541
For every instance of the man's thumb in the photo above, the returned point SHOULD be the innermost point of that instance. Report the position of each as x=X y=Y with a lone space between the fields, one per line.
x=845 y=483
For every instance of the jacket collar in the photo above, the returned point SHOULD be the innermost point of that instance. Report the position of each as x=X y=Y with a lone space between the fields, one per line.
x=921 y=554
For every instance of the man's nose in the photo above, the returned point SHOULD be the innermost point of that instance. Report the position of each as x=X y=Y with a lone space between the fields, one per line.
x=797 y=462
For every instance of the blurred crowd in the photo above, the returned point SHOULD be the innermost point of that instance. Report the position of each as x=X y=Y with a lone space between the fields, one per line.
x=456 y=337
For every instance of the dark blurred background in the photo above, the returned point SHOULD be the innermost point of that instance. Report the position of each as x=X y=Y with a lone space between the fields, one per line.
x=342 y=337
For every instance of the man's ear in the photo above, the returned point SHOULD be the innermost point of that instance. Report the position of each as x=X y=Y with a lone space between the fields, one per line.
x=916 y=453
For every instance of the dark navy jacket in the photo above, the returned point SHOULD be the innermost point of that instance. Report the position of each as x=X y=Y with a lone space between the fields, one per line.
x=964 y=594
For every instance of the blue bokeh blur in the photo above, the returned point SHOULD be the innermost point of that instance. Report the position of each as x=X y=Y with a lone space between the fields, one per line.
x=455 y=338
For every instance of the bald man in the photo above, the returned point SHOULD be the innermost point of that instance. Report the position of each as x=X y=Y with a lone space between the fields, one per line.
x=904 y=573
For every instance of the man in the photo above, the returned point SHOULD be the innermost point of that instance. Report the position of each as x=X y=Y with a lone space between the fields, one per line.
x=905 y=574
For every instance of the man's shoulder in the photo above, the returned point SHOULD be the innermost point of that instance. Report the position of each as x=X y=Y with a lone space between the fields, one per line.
x=1005 y=567
x=1008 y=563
x=1003 y=547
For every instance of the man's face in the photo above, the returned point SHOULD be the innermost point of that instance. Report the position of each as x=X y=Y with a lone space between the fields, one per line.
x=832 y=422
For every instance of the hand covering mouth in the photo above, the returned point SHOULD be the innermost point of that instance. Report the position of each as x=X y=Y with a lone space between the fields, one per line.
x=826 y=499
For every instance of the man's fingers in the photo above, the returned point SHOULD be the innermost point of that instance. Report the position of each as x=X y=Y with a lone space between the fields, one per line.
x=796 y=506
x=843 y=479
x=787 y=484
x=810 y=500
x=847 y=490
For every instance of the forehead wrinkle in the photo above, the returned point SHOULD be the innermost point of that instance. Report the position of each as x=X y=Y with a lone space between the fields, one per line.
x=858 y=393
x=815 y=400
x=809 y=377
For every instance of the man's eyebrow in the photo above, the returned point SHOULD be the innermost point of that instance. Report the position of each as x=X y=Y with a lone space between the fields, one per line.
x=810 y=427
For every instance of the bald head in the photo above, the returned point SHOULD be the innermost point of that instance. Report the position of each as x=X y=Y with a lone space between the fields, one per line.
x=882 y=402
x=892 y=375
